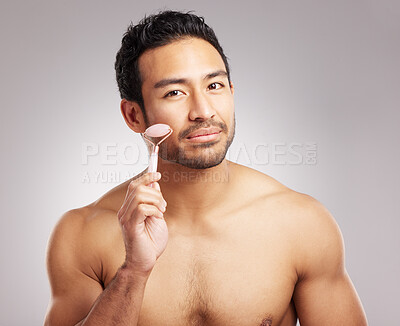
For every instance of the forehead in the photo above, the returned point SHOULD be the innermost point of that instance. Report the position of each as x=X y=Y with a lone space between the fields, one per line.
x=184 y=58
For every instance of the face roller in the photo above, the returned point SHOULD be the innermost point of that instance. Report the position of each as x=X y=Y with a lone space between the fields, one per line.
x=155 y=135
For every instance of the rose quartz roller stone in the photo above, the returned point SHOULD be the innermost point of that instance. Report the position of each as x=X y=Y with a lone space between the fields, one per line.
x=155 y=135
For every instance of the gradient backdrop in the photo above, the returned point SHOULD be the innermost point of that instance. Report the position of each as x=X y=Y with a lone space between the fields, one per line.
x=317 y=101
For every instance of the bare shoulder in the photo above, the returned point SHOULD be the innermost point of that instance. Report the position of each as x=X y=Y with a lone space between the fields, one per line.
x=85 y=237
x=96 y=220
x=80 y=240
x=306 y=222
x=301 y=209
x=85 y=225
x=254 y=184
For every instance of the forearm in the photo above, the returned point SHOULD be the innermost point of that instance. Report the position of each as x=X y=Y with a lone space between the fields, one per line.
x=120 y=302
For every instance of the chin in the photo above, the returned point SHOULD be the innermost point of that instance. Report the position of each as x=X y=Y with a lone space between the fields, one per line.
x=199 y=164
x=197 y=156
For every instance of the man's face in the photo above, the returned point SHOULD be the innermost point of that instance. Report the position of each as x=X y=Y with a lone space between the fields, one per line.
x=185 y=85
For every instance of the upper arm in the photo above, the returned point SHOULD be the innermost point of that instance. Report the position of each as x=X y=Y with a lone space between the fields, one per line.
x=324 y=294
x=73 y=288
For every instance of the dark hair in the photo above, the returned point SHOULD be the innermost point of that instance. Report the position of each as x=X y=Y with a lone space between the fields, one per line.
x=151 y=32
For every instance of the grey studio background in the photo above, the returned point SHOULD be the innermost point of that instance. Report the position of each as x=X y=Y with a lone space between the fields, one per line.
x=317 y=98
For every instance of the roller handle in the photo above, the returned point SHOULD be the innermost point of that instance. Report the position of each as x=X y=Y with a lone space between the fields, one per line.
x=153 y=162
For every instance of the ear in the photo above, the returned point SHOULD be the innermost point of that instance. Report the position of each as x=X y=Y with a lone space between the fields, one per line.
x=232 y=88
x=133 y=115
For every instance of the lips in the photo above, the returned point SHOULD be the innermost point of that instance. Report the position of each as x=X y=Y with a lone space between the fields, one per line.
x=204 y=132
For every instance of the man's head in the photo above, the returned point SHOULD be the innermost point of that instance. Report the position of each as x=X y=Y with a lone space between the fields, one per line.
x=152 y=32
x=171 y=69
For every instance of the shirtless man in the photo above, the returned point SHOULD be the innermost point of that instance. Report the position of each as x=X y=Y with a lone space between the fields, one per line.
x=233 y=247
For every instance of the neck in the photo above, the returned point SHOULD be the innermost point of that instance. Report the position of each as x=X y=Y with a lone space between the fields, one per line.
x=192 y=193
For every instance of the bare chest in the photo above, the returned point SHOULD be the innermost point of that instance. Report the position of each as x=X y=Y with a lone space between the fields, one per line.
x=233 y=279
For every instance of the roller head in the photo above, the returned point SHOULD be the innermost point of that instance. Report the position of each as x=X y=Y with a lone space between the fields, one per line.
x=155 y=135
x=157 y=130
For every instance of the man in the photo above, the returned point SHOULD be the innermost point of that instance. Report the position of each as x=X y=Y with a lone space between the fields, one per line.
x=232 y=246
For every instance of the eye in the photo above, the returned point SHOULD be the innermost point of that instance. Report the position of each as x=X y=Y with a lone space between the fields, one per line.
x=173 y=93
x=215 y=86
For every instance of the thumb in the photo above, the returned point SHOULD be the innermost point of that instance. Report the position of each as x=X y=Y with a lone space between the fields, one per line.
x=156 y=185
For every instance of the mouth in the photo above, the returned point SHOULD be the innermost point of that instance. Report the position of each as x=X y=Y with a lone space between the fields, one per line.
x=204 y=135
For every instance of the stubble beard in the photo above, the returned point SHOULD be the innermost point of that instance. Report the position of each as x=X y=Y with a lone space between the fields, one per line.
x=189 y=155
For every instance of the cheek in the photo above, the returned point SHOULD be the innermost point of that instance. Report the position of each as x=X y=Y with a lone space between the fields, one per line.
x=227 y=110
x=176 y=122
x=159 y=109
x=226 y=101
x=157 y=113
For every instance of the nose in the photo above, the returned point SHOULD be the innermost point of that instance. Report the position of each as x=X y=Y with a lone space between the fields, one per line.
x=201 y=108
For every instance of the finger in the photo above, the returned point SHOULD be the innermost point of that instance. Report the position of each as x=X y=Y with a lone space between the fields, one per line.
x=156 y=190
x=142 y=212
x=145 y=179
x=143 y=198
x=156 y=186
x=150 y=177
x=143 y=194
x=149 y=199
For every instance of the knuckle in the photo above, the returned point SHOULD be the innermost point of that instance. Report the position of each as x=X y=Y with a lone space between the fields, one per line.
x=132 y=185
x=146 y=177
x=141 y=209
x=139 y=198
x=150 y=175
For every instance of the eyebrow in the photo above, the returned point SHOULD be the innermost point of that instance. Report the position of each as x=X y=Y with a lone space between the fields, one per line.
x=170 y=81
